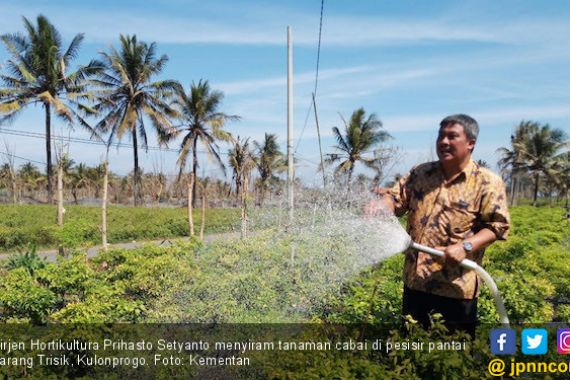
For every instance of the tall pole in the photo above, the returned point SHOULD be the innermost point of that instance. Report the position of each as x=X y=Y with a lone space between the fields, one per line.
x=290 y=163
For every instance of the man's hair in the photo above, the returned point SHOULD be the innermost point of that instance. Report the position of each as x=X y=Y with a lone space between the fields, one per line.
x=469 y=124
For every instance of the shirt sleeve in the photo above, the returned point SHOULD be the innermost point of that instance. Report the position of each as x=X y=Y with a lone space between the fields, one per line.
x=494 y=209
x=400 y=195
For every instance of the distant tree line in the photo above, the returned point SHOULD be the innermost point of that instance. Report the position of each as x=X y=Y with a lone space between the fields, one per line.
x=118 y=95
x=120 y=91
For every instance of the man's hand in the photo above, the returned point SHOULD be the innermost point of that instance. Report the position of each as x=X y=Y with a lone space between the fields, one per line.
x=381 y=191
x=454 y=254
x=375 y=207
x=379 y=207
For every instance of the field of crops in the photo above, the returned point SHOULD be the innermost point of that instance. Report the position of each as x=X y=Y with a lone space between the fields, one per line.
x=255 y=281
x=36 y=224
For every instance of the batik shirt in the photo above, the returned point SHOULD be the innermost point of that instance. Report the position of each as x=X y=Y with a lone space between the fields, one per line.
x=442 y=213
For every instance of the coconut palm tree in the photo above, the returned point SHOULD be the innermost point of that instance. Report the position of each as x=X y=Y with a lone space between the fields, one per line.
x=30 y=176
x=242 y=161
x=39 y=74
x=79 y=180
x=96 y=175
x=128 y=96
x=539 y=151
x=6 y=175
x=201 y=121
x=362 y=135
x=269 y=161
x=512 y=160
x=561 y=175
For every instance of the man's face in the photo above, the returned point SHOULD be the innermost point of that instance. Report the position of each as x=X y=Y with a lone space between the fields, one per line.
x=453 y=145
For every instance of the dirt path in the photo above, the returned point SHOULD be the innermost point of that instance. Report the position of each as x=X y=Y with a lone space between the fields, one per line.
x=51 y=255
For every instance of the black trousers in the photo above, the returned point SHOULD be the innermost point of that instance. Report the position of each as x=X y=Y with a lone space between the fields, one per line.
x=458 y=314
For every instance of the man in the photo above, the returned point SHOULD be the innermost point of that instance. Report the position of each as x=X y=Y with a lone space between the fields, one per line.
x=456 y=206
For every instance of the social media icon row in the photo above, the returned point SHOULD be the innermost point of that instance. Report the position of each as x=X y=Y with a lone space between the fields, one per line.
x=533 y=341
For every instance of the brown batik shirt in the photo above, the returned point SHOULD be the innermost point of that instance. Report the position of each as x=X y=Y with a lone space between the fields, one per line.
x=442 y=214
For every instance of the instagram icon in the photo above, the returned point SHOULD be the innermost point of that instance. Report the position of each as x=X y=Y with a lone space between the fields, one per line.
x=563 y=341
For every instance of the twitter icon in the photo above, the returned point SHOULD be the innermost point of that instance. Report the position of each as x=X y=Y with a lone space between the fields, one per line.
x=534 y=341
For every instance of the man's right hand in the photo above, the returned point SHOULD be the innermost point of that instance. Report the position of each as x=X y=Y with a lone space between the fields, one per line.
x=381 y=206
x=381 y=191
x=374 y=208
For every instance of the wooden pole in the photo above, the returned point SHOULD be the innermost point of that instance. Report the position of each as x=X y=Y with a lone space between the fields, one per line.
x=60 y=210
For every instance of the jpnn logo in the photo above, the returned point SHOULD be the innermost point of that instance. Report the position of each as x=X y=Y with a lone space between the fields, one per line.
x=534 y=341
x=503 y=341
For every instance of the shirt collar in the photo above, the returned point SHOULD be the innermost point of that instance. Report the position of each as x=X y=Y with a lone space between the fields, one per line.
x=471 y=168
x=467 y=171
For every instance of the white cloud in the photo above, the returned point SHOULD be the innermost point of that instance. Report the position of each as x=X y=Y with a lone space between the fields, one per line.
x=244 y=86
x=266 y=26
x=507 y=116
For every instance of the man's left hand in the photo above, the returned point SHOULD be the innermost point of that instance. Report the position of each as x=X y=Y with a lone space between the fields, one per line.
x=454 y=254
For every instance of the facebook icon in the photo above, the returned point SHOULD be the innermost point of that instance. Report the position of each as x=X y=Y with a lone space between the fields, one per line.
x=503 y=342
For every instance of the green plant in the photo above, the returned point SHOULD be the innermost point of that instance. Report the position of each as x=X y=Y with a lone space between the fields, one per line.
x=21 y=296
x=35 y=224
x=27 y=259
x=78 y=232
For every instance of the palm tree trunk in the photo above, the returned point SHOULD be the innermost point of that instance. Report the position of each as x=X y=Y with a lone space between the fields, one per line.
x=191 y=182
x=203 y=221
x=136 y=178
x=262 y=191
x=194 y=170
x=513 y=187
x=60 y=195
x=536 y=181
x=244 y=208
x=159 y=193
x=238 y=189
x=348 y=185
x=48 y=153
x=521 y=190
x=74 y=193
x=13 y=180
x=104 y=206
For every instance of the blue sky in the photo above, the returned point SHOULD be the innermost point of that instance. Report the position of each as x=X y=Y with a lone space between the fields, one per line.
x=410 y=62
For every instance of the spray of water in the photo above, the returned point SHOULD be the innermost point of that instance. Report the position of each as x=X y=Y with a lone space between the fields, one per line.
x=285 y=272
x=330 y=240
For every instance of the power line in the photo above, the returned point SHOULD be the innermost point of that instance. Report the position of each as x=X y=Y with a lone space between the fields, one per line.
x=307 y=160
x=304 y=126
x=316 y=76
x=23 y=133
x=319 y=47
x=23 y=158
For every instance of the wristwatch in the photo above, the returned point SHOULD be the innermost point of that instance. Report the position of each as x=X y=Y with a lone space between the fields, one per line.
x=467 y=246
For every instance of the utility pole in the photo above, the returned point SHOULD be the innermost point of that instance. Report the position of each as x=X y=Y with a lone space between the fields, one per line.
x=290 y=162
